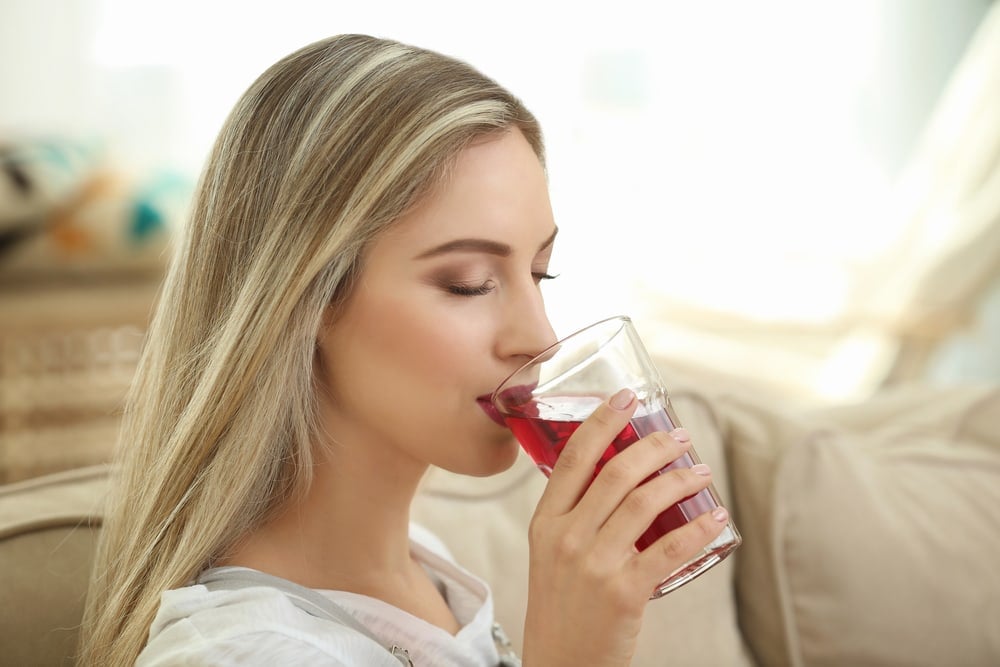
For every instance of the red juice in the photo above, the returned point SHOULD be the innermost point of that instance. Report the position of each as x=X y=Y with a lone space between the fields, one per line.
x=544 y=434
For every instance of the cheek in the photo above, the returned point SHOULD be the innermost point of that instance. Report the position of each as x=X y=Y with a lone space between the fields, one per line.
x=408 y=373
x=420 y=345
x=440 y=326
x=418 y=356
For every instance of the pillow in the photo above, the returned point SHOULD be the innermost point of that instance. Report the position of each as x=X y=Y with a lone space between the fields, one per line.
x=69 y=212
x=484 y=522
x=793 y=473
x=886 y=542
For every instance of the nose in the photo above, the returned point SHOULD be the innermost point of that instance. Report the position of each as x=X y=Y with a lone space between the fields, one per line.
x=526 y=330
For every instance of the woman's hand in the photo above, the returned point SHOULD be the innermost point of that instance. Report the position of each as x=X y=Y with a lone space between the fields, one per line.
x=588 y=586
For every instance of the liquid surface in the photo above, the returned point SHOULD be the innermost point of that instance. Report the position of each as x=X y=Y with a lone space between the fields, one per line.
x=543 y=429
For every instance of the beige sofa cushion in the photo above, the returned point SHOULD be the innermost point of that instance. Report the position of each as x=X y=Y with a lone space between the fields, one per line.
x=869 y=531
x=900 y=529
x=48 y=528
x=485 y=524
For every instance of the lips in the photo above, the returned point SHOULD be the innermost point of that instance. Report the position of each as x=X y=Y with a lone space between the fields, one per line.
x=491 y=411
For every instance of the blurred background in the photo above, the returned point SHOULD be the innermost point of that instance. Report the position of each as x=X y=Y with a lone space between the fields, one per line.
x=800 y=198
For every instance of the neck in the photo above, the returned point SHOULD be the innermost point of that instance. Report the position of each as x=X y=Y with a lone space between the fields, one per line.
x=349 y=532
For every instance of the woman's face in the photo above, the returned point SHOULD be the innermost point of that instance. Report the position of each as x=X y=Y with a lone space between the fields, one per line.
x=446 y=307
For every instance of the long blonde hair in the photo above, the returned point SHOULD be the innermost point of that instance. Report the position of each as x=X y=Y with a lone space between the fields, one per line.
x=326 y=149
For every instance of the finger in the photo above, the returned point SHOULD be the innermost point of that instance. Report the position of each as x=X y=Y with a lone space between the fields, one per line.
x=679 y=546
x=627 y=470
x=644 y=504
x=574 y=470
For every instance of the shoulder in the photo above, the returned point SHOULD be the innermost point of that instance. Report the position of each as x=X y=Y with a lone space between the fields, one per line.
x=263 y=647
x=251 y=626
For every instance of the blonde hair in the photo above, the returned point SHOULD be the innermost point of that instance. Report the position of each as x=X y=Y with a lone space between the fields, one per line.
x=326 y=149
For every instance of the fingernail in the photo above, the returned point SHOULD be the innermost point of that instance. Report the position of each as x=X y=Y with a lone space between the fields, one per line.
x=720 y=514
x=680 y=435
x=701 y=469
x=622 y=399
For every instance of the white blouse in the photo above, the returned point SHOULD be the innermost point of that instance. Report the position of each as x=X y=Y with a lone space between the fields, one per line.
x=262 y=626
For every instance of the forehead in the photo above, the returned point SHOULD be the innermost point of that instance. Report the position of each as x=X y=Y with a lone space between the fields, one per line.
x=496 y=188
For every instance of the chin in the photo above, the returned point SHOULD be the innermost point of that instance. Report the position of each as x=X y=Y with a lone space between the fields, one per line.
x=501 y=456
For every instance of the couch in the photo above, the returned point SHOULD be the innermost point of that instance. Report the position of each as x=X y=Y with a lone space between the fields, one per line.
x=871 y=537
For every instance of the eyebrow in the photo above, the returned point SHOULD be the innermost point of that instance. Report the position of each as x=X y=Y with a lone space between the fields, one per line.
x=479 y=245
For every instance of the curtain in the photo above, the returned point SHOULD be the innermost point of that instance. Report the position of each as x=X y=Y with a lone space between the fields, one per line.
x=949 y=256
x=900 y=304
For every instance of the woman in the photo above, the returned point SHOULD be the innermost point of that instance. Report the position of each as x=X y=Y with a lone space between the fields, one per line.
x=360 y=270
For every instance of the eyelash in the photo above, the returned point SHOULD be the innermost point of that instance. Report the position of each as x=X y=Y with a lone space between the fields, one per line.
x=539 y=277
x=460 y=289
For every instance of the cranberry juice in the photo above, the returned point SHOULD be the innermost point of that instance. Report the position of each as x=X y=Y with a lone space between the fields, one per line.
x=544 y=435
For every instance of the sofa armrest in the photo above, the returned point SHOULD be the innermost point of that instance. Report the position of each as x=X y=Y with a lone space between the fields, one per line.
x=48 y=530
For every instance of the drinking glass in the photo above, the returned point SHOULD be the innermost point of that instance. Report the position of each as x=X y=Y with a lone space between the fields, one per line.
x=548 y=398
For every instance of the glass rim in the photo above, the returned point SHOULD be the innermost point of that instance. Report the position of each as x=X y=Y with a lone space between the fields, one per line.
x=624 y=320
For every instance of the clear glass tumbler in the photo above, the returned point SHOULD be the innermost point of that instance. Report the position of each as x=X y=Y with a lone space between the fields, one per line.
x=545 y=401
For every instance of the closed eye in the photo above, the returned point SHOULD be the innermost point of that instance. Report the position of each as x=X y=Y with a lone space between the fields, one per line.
x=465 y=289
x=471 y=289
